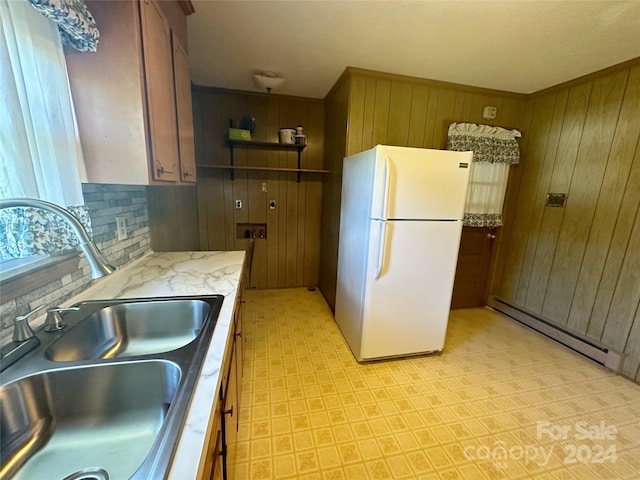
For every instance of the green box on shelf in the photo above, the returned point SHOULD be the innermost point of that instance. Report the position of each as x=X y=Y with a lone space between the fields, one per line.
x=239 y=134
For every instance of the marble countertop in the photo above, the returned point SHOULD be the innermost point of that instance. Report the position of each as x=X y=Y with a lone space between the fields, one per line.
x=183 y=273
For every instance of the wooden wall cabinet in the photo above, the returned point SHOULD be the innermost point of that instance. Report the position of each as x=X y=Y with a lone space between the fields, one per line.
x=184 y=111
x=131 y=101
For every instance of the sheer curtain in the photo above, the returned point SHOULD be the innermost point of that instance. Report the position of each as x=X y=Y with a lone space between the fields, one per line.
x=494 y=150
x=40 y=152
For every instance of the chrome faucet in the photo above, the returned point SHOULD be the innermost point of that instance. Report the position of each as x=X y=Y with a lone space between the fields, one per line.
x=99 y=265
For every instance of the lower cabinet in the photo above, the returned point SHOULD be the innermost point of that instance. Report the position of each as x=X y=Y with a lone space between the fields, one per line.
x=221 y=451
x=213 y=464
x=230 y=417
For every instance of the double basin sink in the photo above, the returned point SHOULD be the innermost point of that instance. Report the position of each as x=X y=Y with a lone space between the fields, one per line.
x=106 y=397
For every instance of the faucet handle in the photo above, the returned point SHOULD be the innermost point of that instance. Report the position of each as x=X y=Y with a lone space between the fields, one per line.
x=54 y=318
x=22 y=331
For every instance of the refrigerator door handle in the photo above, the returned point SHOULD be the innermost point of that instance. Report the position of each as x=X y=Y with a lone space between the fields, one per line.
x=382 y=249
x=385 y=208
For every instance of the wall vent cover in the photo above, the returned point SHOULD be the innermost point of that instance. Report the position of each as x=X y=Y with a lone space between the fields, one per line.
x=556 y=199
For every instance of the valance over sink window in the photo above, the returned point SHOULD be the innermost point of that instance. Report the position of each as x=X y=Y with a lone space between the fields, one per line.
x=75 y=23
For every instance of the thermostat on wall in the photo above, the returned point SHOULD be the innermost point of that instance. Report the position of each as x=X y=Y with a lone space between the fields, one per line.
x=489 y=112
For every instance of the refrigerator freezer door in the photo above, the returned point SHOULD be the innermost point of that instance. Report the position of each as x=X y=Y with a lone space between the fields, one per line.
x=406 y=309
x=417 y=183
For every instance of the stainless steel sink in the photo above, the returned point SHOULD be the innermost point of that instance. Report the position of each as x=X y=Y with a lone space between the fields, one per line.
x=132 y=328
x=86 y=419
x=115 y=408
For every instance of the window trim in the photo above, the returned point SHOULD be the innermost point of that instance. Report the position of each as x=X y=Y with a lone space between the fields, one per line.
x=40 y=274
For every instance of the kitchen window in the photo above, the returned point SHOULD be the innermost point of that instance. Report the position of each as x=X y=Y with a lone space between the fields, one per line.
x=40 y=152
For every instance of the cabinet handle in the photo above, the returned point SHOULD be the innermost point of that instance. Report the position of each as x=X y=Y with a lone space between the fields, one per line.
x=161 y=171
x=229 y=412
x=185 y=173
x=491 y=236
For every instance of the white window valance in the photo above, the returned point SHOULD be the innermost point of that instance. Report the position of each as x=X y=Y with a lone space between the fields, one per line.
x=75 y=23
x=494 y=150
x=489 y=144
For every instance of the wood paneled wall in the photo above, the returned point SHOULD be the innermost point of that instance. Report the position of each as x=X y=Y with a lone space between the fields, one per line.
x=173 y=218
x=290 y=254
x=337 y=105
x=579 y=266
x=389 y=109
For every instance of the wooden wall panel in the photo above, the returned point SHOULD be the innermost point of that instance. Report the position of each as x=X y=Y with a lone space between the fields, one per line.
x=531 y=166
x=419 y=105
x=173 y=222
x=289 y=256
x=617 y=252
x=578 y=266
x=566 y=154
x=336 y=124
x=524 y=118
x=614 y=180
x=400 y=115
x=547 y=164
x=600 y=124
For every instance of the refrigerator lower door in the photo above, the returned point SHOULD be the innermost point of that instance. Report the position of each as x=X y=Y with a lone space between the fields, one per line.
x=408 y=288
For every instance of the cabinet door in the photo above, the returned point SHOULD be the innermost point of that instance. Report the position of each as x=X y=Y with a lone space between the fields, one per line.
x=158 y=70
x=238 y=318
x=229 y=421
x=212 y=468
x=217 y=469
x=184 y=112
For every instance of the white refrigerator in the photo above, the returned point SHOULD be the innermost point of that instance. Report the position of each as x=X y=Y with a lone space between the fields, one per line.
x=400 y=227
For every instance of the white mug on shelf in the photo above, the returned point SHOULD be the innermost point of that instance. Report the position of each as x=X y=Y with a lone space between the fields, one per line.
x=287 y=135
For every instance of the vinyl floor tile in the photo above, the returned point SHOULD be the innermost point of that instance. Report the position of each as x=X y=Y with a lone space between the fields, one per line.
x=500 y=402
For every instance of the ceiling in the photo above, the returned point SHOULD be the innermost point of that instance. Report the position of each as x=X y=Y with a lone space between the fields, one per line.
x=516 y=45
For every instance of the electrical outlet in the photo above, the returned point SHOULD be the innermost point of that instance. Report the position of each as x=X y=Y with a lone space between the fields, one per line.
x=263 y=185
x=238 y=204
x=121 y=228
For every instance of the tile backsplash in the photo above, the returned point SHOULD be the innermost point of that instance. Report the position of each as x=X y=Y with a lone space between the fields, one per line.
x=104 y=202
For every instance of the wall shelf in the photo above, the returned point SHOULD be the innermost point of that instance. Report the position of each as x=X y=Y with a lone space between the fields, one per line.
x=232 y=144
x=265 y=145
x=264 y=169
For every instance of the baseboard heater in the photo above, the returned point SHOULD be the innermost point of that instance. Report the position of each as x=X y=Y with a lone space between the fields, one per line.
x=599 y=354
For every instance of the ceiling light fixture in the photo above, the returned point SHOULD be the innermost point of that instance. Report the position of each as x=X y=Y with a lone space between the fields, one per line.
x=268 y=81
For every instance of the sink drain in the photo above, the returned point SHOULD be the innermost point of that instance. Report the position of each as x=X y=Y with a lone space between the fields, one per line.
x=89 y=474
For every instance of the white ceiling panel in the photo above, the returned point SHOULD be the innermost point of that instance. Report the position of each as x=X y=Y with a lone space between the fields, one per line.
x=518 y=46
